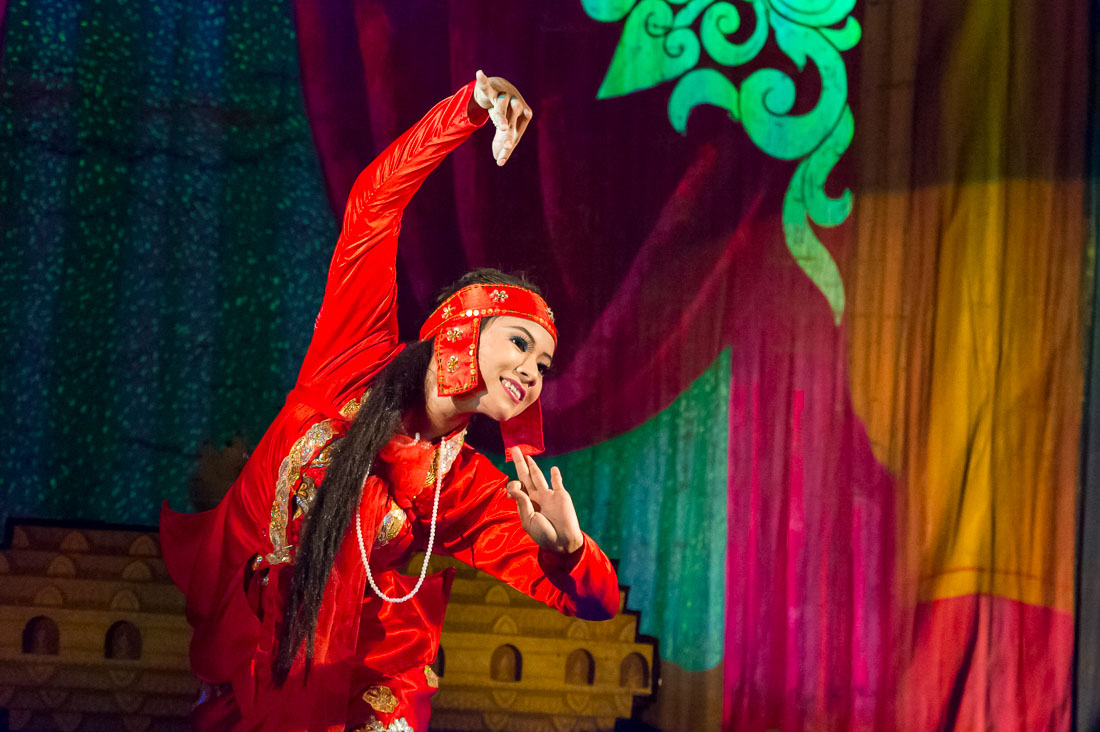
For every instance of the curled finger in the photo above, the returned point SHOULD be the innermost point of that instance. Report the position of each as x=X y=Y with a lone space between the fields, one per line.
x=523 y=121
x=523 y=501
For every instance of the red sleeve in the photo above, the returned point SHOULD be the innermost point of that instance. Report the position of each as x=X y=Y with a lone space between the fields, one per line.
x=479 y=525
x=357 y=325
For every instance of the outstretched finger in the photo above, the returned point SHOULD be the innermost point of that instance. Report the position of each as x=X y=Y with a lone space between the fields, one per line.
x=522 y=471
x=555 y=479
x=537 y=478
x=482 y=86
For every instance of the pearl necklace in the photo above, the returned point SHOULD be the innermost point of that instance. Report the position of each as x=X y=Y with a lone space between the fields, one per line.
x=448 y=451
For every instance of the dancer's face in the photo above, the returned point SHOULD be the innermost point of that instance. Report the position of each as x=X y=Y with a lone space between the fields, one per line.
x=513 y=354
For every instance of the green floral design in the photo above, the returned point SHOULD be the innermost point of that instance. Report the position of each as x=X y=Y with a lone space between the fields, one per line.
x=664 y=40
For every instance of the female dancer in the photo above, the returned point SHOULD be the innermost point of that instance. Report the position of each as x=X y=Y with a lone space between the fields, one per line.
x=300 y=618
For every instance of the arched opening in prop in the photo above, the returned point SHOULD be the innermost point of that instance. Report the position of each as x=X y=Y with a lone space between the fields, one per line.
x=580 y=668
x=634 y=672
x=506 y=664
x=41 y=635
x=123 y=641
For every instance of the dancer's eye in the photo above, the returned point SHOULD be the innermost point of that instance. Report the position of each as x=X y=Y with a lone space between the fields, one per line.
x=543 y=368
x=521 y=343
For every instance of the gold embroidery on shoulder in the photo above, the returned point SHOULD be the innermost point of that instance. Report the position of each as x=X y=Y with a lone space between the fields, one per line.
x=381 y=699
x=349 y=410
x=306 y=495
x=289 y=472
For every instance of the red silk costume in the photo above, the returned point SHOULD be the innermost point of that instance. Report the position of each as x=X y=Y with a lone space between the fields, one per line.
x=234 y=562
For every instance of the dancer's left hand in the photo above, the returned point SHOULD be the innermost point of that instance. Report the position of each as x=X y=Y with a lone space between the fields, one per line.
x=545 y=509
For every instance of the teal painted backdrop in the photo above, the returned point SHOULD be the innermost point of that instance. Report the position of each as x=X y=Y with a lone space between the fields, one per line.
x=166 y=236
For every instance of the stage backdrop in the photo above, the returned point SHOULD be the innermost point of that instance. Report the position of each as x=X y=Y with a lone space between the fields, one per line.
x=818 y=269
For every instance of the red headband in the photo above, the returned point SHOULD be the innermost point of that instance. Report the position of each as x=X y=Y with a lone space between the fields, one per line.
x=456 y=325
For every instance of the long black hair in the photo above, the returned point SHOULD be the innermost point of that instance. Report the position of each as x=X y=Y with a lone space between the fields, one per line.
x=398 y=389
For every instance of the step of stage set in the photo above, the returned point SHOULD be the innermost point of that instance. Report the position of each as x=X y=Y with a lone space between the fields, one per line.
x=93 y=637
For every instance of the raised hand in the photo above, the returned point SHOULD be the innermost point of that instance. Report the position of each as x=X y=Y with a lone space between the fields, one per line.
x=507 y=111
x=545 y=509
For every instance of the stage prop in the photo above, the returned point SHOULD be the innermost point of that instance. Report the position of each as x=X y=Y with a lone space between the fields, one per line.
x=93 y=637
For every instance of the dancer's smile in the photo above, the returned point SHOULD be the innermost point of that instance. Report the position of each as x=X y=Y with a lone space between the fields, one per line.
x=513 y=356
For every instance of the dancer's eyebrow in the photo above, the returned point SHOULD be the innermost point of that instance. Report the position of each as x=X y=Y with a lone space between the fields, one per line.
x=531 y=340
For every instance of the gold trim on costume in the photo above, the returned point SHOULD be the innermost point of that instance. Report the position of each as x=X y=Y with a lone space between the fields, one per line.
x=350 y=409
x=325 y=456
x=381 y=699
x=316 y=439
x=289 y=473
x=447 y=452
x=391 y=525
x=397 y=725
x=429 y=479
x=305 y=495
